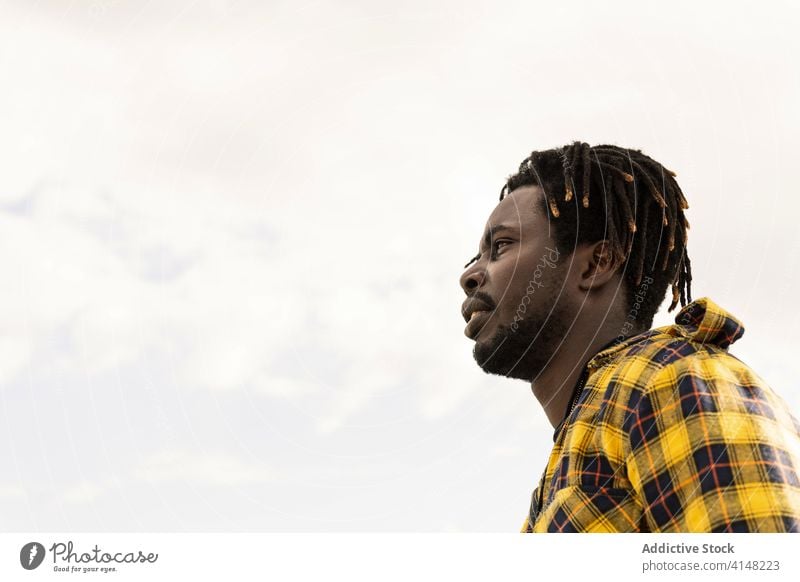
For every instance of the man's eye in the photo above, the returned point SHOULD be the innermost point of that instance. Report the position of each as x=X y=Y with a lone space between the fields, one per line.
x=499 y=244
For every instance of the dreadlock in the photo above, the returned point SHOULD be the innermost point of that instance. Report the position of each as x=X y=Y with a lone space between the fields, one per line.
x=621 y=195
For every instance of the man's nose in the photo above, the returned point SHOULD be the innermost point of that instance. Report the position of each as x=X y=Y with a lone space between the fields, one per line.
x=472 y=278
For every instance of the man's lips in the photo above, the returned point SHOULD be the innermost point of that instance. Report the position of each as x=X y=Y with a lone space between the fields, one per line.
x=473 y=304
x=478 y=319
x=475 y=312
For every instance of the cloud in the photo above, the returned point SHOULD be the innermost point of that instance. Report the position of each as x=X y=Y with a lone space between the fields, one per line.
x=201 y=469
x=84 y=492
x=12 y=493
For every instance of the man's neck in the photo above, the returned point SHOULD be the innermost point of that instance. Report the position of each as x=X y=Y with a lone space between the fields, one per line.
x=555 y=385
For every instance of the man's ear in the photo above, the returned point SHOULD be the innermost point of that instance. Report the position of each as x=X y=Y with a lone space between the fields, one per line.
x=597 y=265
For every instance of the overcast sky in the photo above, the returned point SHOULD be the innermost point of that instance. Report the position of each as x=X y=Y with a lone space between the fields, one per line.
x=232 y=234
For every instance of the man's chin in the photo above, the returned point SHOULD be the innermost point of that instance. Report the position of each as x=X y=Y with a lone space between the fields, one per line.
x=494 y=357
x=523 y=352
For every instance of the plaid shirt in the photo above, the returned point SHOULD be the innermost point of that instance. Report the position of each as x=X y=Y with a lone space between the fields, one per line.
x=671 y=433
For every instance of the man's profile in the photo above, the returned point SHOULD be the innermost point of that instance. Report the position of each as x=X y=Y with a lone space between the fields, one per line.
x=658 y=430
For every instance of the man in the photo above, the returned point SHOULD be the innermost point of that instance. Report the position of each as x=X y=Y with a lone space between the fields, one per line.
x=656 y=430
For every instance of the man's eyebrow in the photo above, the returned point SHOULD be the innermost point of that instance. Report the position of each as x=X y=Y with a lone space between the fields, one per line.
x=493 y=230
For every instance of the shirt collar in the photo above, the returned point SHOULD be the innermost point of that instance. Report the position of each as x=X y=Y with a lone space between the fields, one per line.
x=701 y=321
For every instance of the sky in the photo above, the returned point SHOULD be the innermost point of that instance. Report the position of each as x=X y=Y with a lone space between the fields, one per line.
x=232 y=234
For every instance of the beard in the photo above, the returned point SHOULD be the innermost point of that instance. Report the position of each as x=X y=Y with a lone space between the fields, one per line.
x=524 y=350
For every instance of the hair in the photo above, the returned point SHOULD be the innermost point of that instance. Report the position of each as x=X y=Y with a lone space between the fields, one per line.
x=620 y=195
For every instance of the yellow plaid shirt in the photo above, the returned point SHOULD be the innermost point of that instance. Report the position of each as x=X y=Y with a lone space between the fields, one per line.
x=673 y=434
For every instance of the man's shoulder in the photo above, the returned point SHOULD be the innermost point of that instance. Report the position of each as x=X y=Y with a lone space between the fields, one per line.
x=664 y=367
x=657 y=354
x=698 y=340
x=661 y=357
x=688 y=378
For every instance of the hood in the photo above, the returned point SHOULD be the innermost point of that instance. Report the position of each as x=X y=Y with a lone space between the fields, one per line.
x=701 y=321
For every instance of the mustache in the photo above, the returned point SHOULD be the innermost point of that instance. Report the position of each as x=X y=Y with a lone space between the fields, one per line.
x=481 y=296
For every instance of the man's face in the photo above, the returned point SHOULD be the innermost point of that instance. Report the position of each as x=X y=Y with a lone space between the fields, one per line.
x=517 y=308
